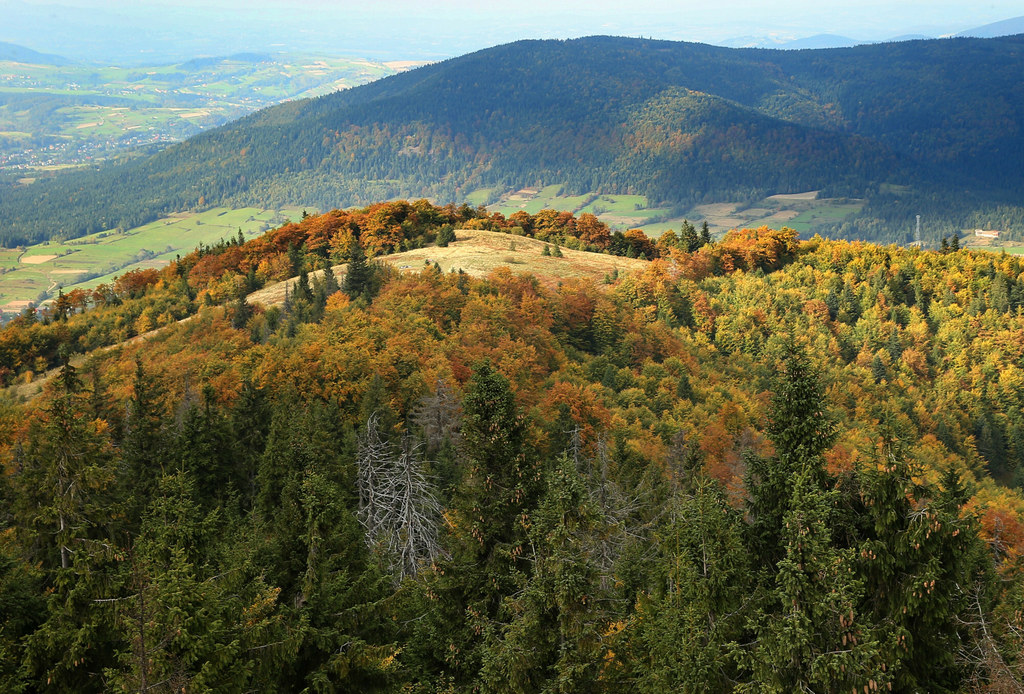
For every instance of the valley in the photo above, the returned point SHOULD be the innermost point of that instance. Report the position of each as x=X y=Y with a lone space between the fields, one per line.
x=78 y=114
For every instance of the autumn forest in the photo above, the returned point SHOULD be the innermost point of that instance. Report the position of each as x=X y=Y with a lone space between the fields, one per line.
x=750 y=464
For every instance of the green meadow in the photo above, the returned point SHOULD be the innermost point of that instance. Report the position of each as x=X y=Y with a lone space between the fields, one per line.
x=801 y=212
x=37 y=272
x=620 y=212
x=824 y=212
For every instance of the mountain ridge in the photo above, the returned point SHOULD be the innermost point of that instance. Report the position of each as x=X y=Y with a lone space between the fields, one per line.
x=563 y=111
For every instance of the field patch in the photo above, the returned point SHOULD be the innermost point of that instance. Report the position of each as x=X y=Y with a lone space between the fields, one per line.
x=36 y=259
x=99 y=111
x=809 y=195
x=98 y=258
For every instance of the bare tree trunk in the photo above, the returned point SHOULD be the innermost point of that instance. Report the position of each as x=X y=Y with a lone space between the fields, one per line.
x=398 y=508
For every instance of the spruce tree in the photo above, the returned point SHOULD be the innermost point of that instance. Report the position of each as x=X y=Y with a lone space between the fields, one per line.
x=64 y=482
x=801 y=431
x=705 y=234
x=358 y=274
x=488 y=548
x=679 y=639
x=688 y=238
x=810 y=635
x=204 y=449
x=331 y=285
x=190 y=622
x=144 y=443
x=250 y=423
x=921 y=559
x=446 y=235
x=554 y=640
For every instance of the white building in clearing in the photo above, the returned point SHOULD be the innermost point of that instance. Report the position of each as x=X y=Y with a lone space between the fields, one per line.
x=986 y=234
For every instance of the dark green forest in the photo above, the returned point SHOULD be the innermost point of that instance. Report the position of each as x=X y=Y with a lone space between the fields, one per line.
x=754 y=465
x=681 y=123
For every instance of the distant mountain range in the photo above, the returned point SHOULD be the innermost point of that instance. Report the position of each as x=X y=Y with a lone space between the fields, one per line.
x=1006 y=27
x=934 y=126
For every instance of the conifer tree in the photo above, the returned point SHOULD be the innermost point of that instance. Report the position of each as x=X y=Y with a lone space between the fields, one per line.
x=705 y=234
x=188 y=623
x=204 y=449
x=144 y=440
x=358 y=274
x=331 y=285
x=878 y=369
x=439 y=416
x=801 y=432
x=22 y=606
x=553 y=641
x=809 y=634
x=397 y=504
x=64 y=480
x=65 y=473
x=680 y=637
x=250 y=423
x=302 y=291
x=688 y=238
x=488 y=548
x=920 y=558
x=446 y=235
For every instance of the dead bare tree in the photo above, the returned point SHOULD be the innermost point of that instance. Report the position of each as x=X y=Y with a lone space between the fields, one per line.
x=989 y=672
x=373 y=462
x=397 y=505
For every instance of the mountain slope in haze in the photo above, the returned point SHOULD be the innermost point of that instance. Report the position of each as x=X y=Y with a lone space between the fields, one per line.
x=20 y=54
x=596 y=114
x=1006 y=27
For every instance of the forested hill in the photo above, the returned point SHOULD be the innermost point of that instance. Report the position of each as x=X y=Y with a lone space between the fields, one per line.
x=679 y=122
x=750 y=465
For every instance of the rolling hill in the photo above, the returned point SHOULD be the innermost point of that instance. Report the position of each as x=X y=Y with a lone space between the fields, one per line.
x=920 y=126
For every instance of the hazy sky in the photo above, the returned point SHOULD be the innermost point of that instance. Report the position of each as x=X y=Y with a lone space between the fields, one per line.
x=105 y=29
